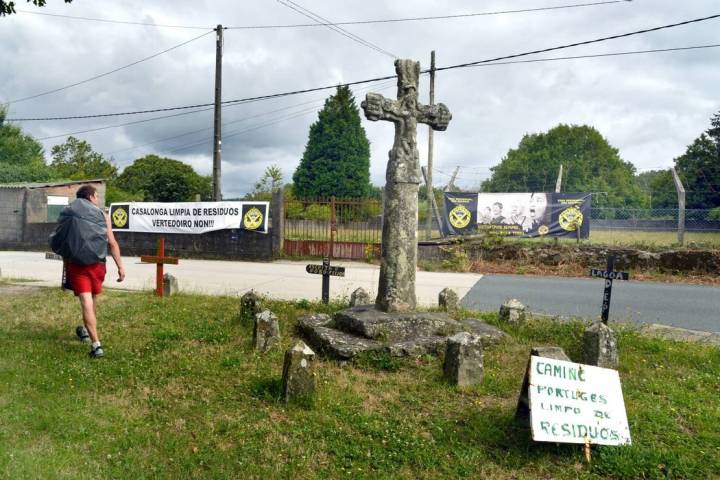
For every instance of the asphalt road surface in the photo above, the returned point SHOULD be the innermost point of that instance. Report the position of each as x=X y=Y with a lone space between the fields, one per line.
x=695 y=307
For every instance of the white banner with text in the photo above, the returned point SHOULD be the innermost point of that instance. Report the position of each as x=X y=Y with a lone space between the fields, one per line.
x=189 y=217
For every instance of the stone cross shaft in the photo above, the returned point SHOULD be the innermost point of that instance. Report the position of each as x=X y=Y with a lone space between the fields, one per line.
x=396 y=289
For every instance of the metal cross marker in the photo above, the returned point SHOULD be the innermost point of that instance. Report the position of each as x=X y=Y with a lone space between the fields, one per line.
x=160 y=259
x=326 y=271
x=609 y=275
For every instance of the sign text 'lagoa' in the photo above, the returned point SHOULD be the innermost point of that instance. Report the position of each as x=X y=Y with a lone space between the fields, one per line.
x=189 y=217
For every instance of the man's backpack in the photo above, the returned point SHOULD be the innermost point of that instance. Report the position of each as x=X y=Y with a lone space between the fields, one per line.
x=81 y=234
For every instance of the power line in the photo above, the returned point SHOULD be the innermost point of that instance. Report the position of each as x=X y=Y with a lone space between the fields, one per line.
x=462 y=65
x=587 y=42
x=107 y=127
x=104 y=20
x=356 y=22
x=323 y=21
x=110 y=72
x=381 y=86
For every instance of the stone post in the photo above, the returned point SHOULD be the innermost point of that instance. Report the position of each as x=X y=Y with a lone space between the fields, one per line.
x=600 y=346
x=448 y=300
x=170 y=285
x=513 y=311
x=463 y=360
x=249 y=306
x=298 y=380
x=266 y=332
x=360 y=297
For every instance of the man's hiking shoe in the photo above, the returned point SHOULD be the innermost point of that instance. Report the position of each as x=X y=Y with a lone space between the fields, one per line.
x=97 y=352
x=82 y=334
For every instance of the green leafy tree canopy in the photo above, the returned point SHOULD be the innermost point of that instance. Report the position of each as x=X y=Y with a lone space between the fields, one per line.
x=268 y=183
x=699 y=168
x=21 y=156
x=164 y=180
x=7 y=8
x=336 y=160
x=589 y=162
x=75 y=159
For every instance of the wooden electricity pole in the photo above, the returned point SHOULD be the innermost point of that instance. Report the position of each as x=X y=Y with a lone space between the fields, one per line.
x=428 y=178
x=217 y=140
x=681 y=207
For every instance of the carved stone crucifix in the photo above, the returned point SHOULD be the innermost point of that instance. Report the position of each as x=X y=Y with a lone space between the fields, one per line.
x=396 y=290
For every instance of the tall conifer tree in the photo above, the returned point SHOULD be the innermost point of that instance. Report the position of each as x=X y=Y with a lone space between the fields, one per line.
x=337 y=155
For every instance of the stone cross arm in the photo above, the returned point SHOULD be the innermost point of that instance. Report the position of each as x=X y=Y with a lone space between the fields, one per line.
x=376 y=107
x=436 y=116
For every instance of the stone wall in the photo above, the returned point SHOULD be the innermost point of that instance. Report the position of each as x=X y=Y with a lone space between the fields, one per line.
x=11 y=215
x=675 y=261
x=221 y=244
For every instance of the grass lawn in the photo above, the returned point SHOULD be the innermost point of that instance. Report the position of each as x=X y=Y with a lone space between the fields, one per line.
x=181 y=394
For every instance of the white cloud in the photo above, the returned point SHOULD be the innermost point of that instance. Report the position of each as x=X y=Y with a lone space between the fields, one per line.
x=648 y=106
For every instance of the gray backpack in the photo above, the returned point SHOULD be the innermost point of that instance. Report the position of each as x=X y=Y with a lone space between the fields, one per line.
x=81 y=234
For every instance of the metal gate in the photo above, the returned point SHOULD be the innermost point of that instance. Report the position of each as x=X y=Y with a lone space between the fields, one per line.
x=348 y=228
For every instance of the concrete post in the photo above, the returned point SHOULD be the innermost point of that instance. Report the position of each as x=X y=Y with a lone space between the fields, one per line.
x=277 y=215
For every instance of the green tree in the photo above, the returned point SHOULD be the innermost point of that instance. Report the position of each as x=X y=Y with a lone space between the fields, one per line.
x=7 y=8
x=164 y=179
x=75 y=159
x=21 y=156
x=336 y=160
x=271 y=180
x=699 y=168
x=660 y=188
x=589 y=162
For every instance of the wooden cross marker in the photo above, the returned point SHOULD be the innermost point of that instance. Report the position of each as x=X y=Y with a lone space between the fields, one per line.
x=160 y=259
x=326 y=271
x=609 y=275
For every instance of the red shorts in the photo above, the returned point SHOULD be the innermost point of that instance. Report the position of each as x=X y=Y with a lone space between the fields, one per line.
x=86 y=278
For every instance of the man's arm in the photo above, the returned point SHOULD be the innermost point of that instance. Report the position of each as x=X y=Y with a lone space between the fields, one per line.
x=114 y=249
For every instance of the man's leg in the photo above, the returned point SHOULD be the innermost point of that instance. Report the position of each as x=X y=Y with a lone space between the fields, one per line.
x=87 y=301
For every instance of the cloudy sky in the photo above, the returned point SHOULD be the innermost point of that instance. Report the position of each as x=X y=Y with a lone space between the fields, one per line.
x=649 y=106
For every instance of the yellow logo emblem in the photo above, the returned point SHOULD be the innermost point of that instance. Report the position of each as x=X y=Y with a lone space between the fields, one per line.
x=253 y=219
x=543 y=230
x=459 y=217
x=571 y=219
x=119 y=217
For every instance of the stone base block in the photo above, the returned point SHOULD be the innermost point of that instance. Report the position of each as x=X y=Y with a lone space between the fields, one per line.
x=600 y=346
x=363 y=328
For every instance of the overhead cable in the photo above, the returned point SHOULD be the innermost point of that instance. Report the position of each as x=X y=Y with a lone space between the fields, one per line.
x=323 y=21
x=355 y=22
x=462 y=65
x=17 y=100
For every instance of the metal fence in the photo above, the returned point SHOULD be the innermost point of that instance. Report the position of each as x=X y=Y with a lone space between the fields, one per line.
x=359 y=221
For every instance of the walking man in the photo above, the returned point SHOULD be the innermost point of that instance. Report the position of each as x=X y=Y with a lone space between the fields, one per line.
x=83 y=238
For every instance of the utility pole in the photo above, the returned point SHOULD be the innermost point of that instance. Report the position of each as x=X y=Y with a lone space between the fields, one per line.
x=217 y=143
x=428 y=179
x=451 y=184
x=433 y=205
x=558 y=184
x=681 y=207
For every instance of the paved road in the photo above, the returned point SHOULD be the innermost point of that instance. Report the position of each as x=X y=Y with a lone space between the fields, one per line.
x=695 y=307
x=282 y=279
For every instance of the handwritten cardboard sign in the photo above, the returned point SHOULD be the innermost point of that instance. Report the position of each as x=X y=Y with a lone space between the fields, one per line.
x=575 y=403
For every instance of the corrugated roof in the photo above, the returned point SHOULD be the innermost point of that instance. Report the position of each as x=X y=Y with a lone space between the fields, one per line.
x=49 y=184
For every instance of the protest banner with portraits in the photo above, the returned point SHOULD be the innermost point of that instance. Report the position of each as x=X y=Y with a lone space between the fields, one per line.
x=526 y=215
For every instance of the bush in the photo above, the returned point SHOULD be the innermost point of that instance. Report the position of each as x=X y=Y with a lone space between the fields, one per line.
x=317 y=212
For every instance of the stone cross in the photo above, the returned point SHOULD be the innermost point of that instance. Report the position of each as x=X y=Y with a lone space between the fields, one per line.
x=396 y=289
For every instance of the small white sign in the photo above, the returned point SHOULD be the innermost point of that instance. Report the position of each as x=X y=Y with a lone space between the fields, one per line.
x=575 y=403
x=56 y=200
